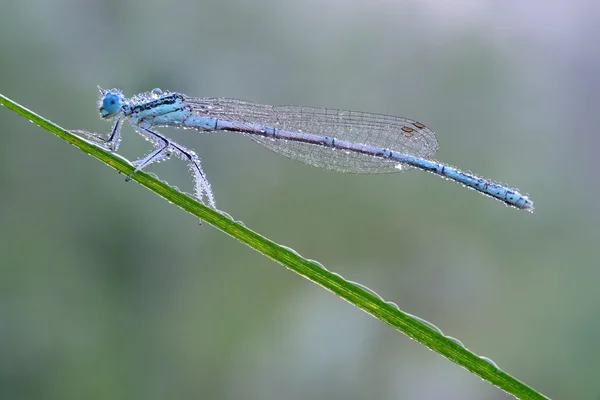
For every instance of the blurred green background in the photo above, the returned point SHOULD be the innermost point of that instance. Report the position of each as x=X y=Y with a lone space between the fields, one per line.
x=109 y=292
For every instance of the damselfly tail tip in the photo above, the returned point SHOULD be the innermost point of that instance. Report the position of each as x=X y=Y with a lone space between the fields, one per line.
x=528 y=206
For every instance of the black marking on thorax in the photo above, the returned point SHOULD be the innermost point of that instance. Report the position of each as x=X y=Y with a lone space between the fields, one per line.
x=168 y=99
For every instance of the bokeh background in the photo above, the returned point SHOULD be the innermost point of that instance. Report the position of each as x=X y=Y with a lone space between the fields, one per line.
x=109 y=292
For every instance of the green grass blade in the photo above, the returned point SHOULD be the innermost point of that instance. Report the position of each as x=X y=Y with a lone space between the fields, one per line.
x=353 y=294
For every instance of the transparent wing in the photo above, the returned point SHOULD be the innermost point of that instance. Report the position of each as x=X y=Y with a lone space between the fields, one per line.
x=399 y=134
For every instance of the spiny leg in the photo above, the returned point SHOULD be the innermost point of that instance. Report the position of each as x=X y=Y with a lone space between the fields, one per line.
x=114 y=138
x=201 y=185
x=160 y=152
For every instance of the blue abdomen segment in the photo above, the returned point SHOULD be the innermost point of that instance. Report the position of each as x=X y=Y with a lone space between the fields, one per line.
x=500 y=192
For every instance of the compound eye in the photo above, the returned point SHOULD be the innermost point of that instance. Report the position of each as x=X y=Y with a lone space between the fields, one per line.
x=110 y=104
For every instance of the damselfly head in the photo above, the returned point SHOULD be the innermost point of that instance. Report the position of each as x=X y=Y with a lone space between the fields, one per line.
x=110 y=102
